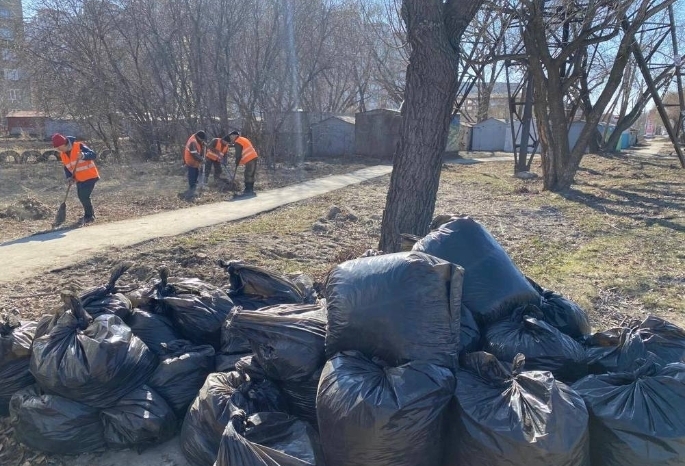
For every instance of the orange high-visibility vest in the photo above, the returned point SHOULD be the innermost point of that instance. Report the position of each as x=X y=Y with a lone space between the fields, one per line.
x=82 y=170
x=249 y=153
x=217 y=149
x=188 y=159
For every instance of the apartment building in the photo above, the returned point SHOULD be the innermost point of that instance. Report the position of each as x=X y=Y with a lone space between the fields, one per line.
x=14 y=85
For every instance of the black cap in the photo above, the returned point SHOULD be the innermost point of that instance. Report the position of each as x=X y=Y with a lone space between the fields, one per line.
x=234 y=133
x=201 y=135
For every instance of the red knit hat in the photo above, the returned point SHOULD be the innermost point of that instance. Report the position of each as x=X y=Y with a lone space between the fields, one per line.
x=58 y=140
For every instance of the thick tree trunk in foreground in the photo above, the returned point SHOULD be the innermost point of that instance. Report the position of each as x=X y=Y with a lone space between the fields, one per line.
x=433 y=30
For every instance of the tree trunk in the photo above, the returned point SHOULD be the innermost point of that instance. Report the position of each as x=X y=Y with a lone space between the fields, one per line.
x=484 y=94
x=522 y=164
x=433 y=30
x=558 y=165
x=559 y=161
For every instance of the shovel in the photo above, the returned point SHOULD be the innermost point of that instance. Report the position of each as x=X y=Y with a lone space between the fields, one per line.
x=201 y=183
x=62 y=211
x=231 y=184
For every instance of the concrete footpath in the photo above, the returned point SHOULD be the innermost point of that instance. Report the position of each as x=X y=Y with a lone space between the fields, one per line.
x=28 y=256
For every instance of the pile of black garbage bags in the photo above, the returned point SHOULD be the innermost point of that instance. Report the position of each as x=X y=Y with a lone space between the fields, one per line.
x=443 y=355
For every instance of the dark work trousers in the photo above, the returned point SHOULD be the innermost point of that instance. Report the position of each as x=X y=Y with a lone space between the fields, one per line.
x=84 y=189
x=193 y=175
x=250 y=171
x=208 y=168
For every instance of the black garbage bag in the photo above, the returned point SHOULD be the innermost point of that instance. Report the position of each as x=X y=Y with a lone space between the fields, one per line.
x=45 y=324
x=300 y=396
x=115 y=304
x=273 y=439
x=52 y=424
x=309 y=311
x=249 y=366
x=614 y=350
x=373 y=414
x=506 y=417
x=140 y=419
x=397 y=307
x=106 y=299
x=469 y=335
x=637 y=418
x=153 y=329
x=183 y=369
x=562 y=313
x=288 y=347
x=96 y=362
x=231 y=343
x=305 y=284
x=197 y=309
x=15 y=356
x=227 y=362
x=223 y=395
x=493 y=285
x=664 y=339
x=288 y=344
x=545 y=347
x=255 y=287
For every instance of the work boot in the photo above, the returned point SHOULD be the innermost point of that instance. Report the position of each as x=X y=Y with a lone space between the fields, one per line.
x=247 y=192
x=190 y=194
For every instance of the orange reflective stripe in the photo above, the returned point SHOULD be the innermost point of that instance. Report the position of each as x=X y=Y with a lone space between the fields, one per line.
x=214 y=150
x=217 y=149
x=80 y=167
x=81 y=170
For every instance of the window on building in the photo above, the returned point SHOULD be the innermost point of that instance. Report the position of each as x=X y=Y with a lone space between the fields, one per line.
x=14 y=95
x=11 y=75
x=6 y=34
x=5 y=13
x=9 y=55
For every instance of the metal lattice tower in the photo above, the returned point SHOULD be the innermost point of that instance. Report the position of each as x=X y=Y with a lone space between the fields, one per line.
x=519 y=84
x=647 y=66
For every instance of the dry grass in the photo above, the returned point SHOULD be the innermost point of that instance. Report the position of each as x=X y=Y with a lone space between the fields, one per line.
x=612 y=243
x=127 y=190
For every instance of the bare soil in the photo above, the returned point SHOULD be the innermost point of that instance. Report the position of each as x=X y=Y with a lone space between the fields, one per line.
x=30 y=194
x=613 y=243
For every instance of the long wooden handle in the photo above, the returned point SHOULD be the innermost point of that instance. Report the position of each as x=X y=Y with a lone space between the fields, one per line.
x=67 y=194
x=80 y=157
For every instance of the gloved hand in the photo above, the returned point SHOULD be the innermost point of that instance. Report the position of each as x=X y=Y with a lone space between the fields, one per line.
x=70 y=180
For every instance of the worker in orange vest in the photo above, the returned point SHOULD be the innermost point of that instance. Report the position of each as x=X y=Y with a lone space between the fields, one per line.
x=217 y=150
x=245 y=155
x=79 y=167
x=193 y=157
